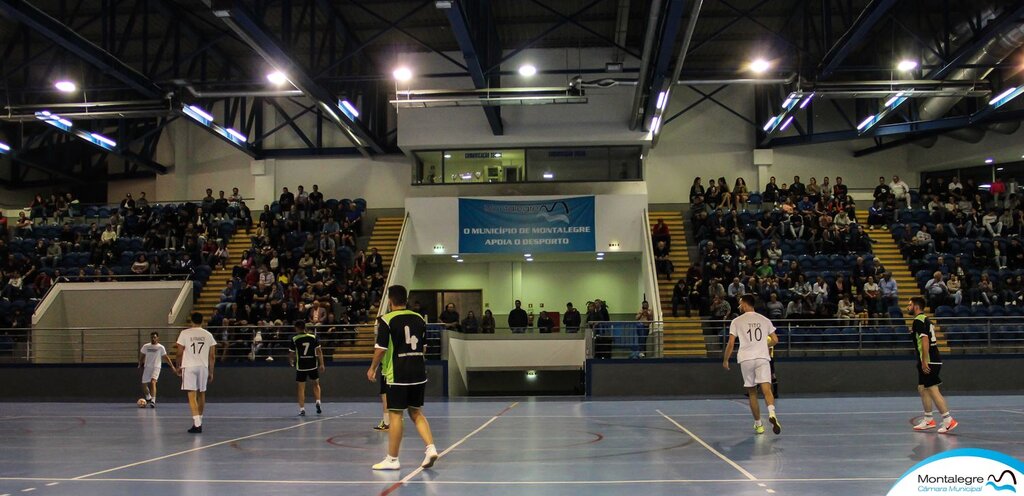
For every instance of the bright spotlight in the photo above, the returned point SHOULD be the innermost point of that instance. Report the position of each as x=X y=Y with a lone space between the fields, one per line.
x=906 y=65
x=65 y=86
x=760 y=66
x=277 y=78
x=527 y=70
x=402 y=74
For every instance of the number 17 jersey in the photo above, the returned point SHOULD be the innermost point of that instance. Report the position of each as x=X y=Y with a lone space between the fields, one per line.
x=752 y=330
x=403 y=334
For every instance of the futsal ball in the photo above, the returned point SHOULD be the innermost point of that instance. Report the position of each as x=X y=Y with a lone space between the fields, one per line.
x=141 y=403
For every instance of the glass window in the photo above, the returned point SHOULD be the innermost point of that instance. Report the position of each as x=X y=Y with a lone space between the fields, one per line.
x=570 y=164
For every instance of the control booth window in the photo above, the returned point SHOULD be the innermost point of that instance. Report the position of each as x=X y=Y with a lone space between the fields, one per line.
x=571 y=164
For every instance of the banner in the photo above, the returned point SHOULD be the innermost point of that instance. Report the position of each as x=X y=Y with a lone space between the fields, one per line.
x=526 y=226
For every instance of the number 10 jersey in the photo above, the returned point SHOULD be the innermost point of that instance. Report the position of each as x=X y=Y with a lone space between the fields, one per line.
x=403 y=334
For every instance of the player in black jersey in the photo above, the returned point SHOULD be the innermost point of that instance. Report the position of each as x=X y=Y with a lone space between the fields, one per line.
x=929 y=363
x=400 y=348
x=305 y=354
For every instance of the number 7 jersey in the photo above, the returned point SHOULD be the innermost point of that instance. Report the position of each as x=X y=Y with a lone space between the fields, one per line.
x=403 y=334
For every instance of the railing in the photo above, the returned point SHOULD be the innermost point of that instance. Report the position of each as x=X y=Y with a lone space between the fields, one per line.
x=249 y=344
x=650 y=281
x=383 y=306
x=885 y=336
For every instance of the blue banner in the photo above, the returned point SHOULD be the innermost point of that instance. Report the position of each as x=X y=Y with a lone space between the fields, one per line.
x=530 y=226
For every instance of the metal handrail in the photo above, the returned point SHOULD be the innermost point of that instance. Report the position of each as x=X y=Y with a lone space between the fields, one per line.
x=383 y=305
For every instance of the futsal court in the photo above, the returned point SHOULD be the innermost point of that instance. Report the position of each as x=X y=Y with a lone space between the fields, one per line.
x=497 y=447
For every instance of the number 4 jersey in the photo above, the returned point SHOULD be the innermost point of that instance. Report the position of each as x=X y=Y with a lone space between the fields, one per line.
x=752 y=330
x=403 y=334
x=196 y=343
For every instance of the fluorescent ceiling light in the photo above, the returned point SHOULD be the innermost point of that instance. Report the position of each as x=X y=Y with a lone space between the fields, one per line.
x=549 y=175
x=202 y=113
x=277 y=78
x=786 y=123
x=600 y=253
x=806 y=100
x=997 y=168
x=352 y=112
x=447 y=155
x=459 y=260
x=906 y=65
x=527 y=255
x=104 y=139
x=65 y=86
x=4 y=147
x=529 y=259
x=655 y=124
x=770 y=123
x=865 y=122
x=237 y=134
x=455 y=256
x=661 y=100
x=497 y=155
x=402 y=74
x=1006 y=96
x=989 y=160
x=527 y=70
x=895 y=98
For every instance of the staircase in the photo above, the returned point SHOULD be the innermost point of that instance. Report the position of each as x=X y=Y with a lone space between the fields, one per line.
x=385 y=239
x=683 y=336
x=888 y=253
x=210 y=296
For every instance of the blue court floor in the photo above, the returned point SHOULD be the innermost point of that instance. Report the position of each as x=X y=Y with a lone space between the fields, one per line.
x=828 y=446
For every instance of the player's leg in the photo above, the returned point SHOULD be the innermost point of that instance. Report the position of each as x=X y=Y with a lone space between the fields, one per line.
x=948 y=422
x=152 y=387
x=201 y=402
x=316 y=395
x=396 y=421
x=755 y=407
x=423 y=427
x=927 y=421
x=397 y=400
x=145 y=390
x=197 y=417
x=300 y=388
x=769 y=399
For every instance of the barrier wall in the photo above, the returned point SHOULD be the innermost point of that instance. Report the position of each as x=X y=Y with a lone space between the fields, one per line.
x=835 y=375
x=120 y=383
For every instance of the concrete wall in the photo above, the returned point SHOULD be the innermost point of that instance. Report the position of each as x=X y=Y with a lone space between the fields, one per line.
x=961 y=374
x=112 y=383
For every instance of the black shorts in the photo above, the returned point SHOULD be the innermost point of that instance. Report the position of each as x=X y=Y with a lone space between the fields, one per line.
x=382 y=382
x=405 y=397
x=302 y=375
x=930 y=379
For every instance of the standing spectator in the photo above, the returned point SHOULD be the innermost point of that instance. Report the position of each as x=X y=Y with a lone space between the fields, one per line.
x=544 y=323
x=571 y=319
x=470 y=325
x=518 y=320
x=487 y=325
x=450 y=317
x=37 y=209
x=286 y=200
x=696 y=190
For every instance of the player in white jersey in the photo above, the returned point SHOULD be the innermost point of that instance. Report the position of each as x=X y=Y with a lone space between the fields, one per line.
x=756 y=335
x=149 y=362
x=196 y=357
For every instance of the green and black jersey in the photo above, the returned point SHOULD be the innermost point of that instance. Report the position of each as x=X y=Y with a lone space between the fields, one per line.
x=923 y=327
x=304 y=346
x=403 y=334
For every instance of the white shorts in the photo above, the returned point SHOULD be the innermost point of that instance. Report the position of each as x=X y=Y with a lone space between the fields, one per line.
x=194 y=378
x=150 y=374
x=756 y=371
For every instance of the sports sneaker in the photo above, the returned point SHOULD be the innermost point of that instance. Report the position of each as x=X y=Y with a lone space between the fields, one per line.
x=776 y=425
x=430 y=457
x=381 y=426
x=318 y=409
x=925 y=424
x=302 y=413
x=196 y=430
x=947 y=427
x=758 y=429
x=388 y=463
x=151 y=403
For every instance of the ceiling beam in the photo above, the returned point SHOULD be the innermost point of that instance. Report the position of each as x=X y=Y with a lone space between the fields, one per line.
x=464 y=35
x=855 y=36
x=245 y=24
x=665 y=50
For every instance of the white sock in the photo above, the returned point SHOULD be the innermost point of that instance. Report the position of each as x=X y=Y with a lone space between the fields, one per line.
x=197 y=420
x=947 y=418
x=317 y=402
x=148 y=397
x=431 y=448
x=384 y=419
x=771 y=410
x=391 y=458
x=757 y=423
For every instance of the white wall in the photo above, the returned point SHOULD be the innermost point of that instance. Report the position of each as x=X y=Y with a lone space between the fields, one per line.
x=950 y=153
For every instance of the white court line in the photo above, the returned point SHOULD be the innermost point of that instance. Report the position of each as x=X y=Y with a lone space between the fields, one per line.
x=250 y=436
x=709 y=448
x=1013 y=411
x=588 y=482
x=440 y=455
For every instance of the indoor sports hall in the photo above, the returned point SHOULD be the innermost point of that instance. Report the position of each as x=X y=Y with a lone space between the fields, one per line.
x=400 y=247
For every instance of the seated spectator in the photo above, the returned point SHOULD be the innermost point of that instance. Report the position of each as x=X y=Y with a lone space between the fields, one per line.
x=23 y=227
x=487 y=325
x=470 y=325
x=771 y=192
x=936 y=291
x=544 y=323
x=663 y=264
x=141 y=266
x=955 y=289
x=846 y=310
x=660 y=233
x=450 y=317
x=774 y=309
x=696 y=190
